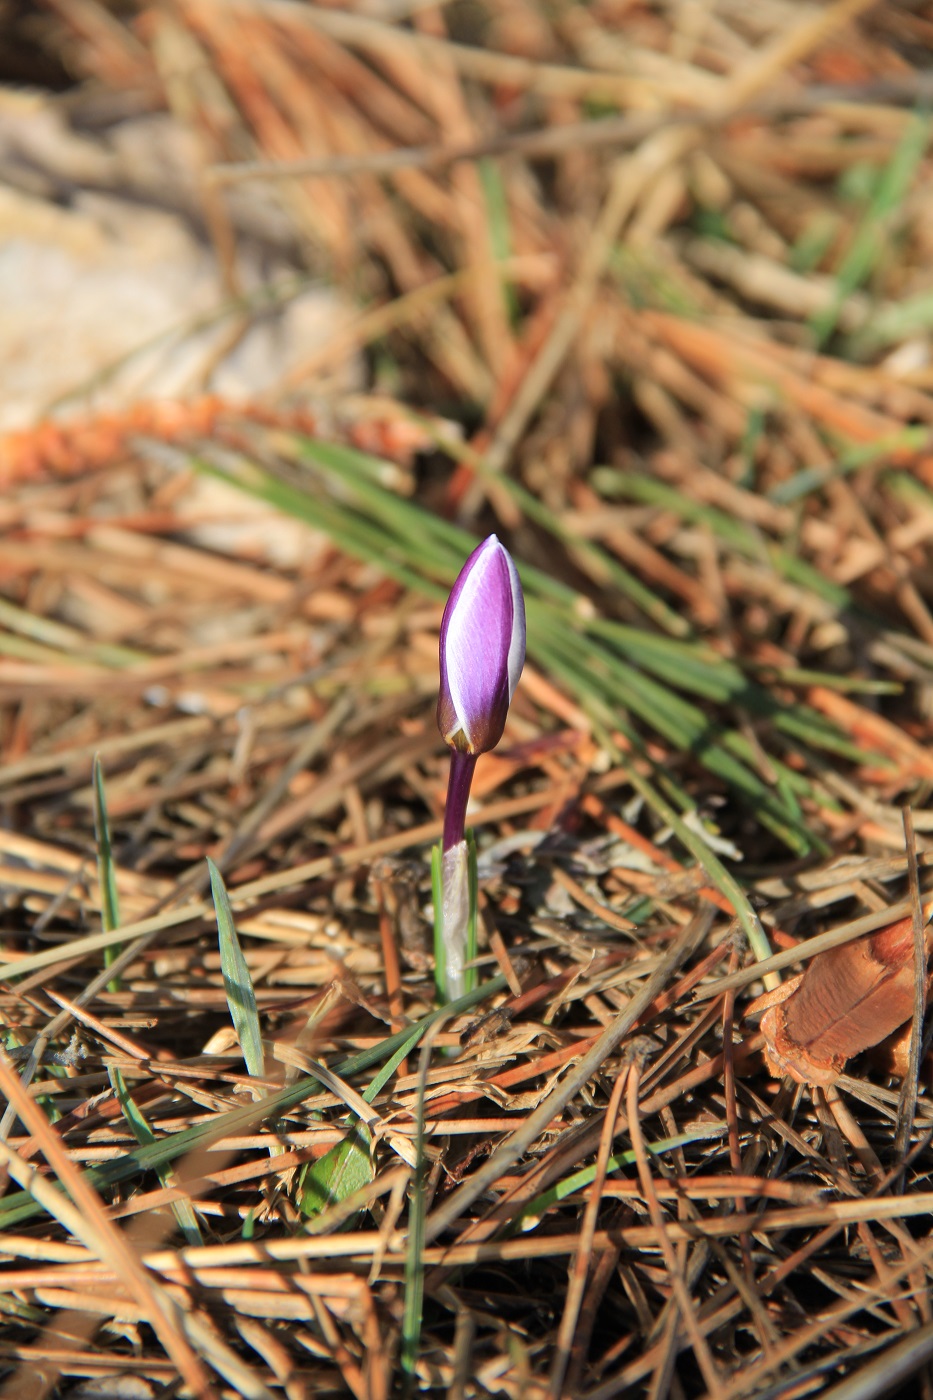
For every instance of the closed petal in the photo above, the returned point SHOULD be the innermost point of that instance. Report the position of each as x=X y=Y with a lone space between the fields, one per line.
x=482 y=649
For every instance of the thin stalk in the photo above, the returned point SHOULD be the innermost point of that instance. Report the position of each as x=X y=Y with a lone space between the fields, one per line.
x=462 y=766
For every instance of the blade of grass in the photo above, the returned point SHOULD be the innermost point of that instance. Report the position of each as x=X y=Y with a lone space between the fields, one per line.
x=685 y=728
x=106 y=874
x=602 y=567
x=238 y=984
x=802 y=483
x=579 y=1180
x=500 y=237
x=344 y=527
x=869 y=242
x=610 y=482
x=139 y=1126
x=70 y=645
x=716 y=872
x=413 y=1305
x=110 y=917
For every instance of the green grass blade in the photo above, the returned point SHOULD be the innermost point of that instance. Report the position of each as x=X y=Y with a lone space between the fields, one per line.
x=870 y=242
x=500 y=235
x=139 y=1126
x=110 y=917
x=686 y=728
x=579 y=1180
x=106 y=873
x=238 y=984
x=718 y=875
x=347 y=529
x=744 y=538
x=811 y=479
x=413 y=1306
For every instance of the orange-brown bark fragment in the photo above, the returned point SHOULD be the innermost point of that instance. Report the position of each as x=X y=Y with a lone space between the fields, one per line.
x=850 y=998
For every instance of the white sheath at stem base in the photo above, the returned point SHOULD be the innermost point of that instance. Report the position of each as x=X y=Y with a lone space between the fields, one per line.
x=455 y=882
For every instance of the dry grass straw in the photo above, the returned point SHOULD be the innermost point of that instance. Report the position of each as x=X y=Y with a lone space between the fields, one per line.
x=650 y=291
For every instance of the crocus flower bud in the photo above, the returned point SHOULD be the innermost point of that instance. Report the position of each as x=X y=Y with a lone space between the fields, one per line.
x=482 y=650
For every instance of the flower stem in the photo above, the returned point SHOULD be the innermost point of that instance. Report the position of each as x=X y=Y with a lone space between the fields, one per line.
x=458 y=794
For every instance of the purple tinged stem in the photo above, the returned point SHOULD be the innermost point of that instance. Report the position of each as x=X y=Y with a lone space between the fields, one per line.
x=458 y=794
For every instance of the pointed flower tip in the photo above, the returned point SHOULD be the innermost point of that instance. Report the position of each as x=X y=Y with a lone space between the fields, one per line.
x=482 y=649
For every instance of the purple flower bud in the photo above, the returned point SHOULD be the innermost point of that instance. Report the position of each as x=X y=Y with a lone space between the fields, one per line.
x=482 y=650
